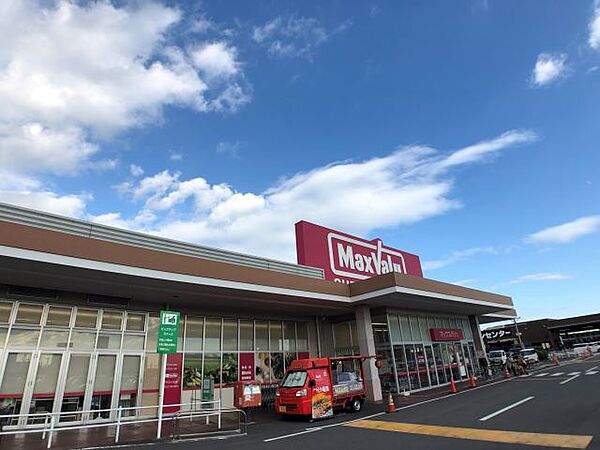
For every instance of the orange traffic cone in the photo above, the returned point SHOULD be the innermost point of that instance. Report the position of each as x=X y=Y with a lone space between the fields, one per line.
x=471 y=381
x=391 y=407
x=452 y=386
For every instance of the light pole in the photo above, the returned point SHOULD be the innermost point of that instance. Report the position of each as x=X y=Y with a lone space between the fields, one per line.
x=518 y=333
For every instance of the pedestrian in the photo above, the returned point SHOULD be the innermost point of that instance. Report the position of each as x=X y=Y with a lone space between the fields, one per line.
x=522 y=365
x=485 y=367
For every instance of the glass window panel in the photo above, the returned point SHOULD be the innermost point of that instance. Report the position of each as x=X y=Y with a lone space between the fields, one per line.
x=133 y=342
x=194 y=330
x=302 y=336
x=262 y=335
x=5 y=309
x=130 y=373
x=77 y=374
x=289 y=336
x=430 y=324
x=23 y=338
x=467 y=329
x=401 y=368
x=109 y=341
x=54 y=339
x=83 y=340
x=246 y=335
x=405 y=329
x=3 y=333
x=212 y=340
x=29 y=314
x=395 y=334
x=192 y=370
x=152 y=333
x=105 y=370
x=446 y=322
x=341 y=335
x=276 y=343
x=414 y=327
x=58 y=316
x=413 y=368
x=47 y=374
x=262 y=367
x=230 y=334
x=86 y=318
x=151 y=384
x=15 y=374
x=135 y=322
x=425 y=334
x=212 y=366
x=230 y=368
x=111 y=320
x=276 y=366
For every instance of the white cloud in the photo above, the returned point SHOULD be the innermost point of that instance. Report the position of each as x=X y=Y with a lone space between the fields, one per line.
x=67 y=205
x=549 y=68
x=74 y=74
x=293 y=36
x=566 y=232
x=136 y=170
x=216 y=59
x=406 y=186
x=229 y=148
x=457 y=256
x=543 y=276
x=594 y=38
x=175 y=156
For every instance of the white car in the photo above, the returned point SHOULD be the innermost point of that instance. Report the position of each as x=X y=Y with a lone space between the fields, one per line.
x=582 y=348
x=497 y=357
x=530 y=355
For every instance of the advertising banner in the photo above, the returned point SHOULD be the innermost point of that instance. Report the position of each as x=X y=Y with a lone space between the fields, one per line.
x=346 y=258
x=246 y=367
x=322 y=404
x=173 y=382
x=446 y=334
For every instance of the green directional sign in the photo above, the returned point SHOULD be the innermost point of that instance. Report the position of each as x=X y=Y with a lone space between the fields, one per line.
x=168 y=331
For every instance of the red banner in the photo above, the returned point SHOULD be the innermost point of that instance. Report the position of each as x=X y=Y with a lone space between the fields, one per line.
x=346 y=258
x=173 y=382
x=303 y=355
x=246 y=369
x=446 y=334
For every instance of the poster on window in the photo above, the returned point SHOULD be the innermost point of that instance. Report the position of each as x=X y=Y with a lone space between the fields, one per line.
x=246 y=367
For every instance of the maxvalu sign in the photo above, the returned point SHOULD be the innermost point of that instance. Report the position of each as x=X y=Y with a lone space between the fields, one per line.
x=346 y=258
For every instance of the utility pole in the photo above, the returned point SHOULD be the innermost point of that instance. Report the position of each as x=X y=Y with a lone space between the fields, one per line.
x=518 y=333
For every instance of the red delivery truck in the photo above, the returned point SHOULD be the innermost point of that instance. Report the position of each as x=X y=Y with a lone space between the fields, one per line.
x=314 y=387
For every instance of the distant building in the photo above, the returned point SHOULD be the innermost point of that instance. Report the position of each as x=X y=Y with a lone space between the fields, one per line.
x=545 y=333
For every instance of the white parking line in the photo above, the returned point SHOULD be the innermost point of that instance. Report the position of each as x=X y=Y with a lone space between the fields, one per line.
x=592 y=368
x=574 y=373
x=557 y=374
x=569 y=379
x=543 y=374
x=591 y=372
x=500 y=411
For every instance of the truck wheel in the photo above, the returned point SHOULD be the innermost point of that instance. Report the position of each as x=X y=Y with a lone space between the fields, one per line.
x=355 y=405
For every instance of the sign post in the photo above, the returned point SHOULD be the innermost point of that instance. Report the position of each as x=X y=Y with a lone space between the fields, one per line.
x=168 y=332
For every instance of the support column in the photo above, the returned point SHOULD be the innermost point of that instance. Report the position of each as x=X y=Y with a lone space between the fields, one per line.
x=477 y=337
x=366 y=344
x=314 y=343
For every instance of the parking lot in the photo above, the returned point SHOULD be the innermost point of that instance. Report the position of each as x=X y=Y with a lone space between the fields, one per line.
x=557 y=407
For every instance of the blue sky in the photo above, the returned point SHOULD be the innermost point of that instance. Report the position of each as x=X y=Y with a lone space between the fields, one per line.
x=466 y=132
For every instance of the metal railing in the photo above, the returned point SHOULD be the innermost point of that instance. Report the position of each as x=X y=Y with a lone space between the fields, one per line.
x=51 y=424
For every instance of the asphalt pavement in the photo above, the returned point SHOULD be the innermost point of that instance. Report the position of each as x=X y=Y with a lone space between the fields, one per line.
x=552 y=408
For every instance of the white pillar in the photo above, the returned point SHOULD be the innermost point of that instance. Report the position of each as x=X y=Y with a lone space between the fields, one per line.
x=366 y=344
x=477 y=337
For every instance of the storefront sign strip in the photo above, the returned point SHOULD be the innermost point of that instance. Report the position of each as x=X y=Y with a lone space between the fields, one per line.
x=446 y=334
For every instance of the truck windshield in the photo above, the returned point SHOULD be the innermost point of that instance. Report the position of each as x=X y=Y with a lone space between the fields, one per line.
x=294 y=379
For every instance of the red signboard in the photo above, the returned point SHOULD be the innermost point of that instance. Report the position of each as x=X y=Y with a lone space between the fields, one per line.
x=346 y=258
x=173 y=382
x=246 y=366
x=446 y=334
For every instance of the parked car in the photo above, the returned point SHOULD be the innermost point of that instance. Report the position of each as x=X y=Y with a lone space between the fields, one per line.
x=585 y=346
x=497 y=357
x=530 y=355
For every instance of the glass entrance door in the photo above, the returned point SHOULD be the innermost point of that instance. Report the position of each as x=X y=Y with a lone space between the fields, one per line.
x=44 y=386
x=14 y=380
x=76 y=383
x=103 y=384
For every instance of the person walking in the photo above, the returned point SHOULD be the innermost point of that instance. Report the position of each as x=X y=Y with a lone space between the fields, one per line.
x=522 y=365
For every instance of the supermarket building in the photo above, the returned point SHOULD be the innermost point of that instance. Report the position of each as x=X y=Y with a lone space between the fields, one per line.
x=79 y=308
